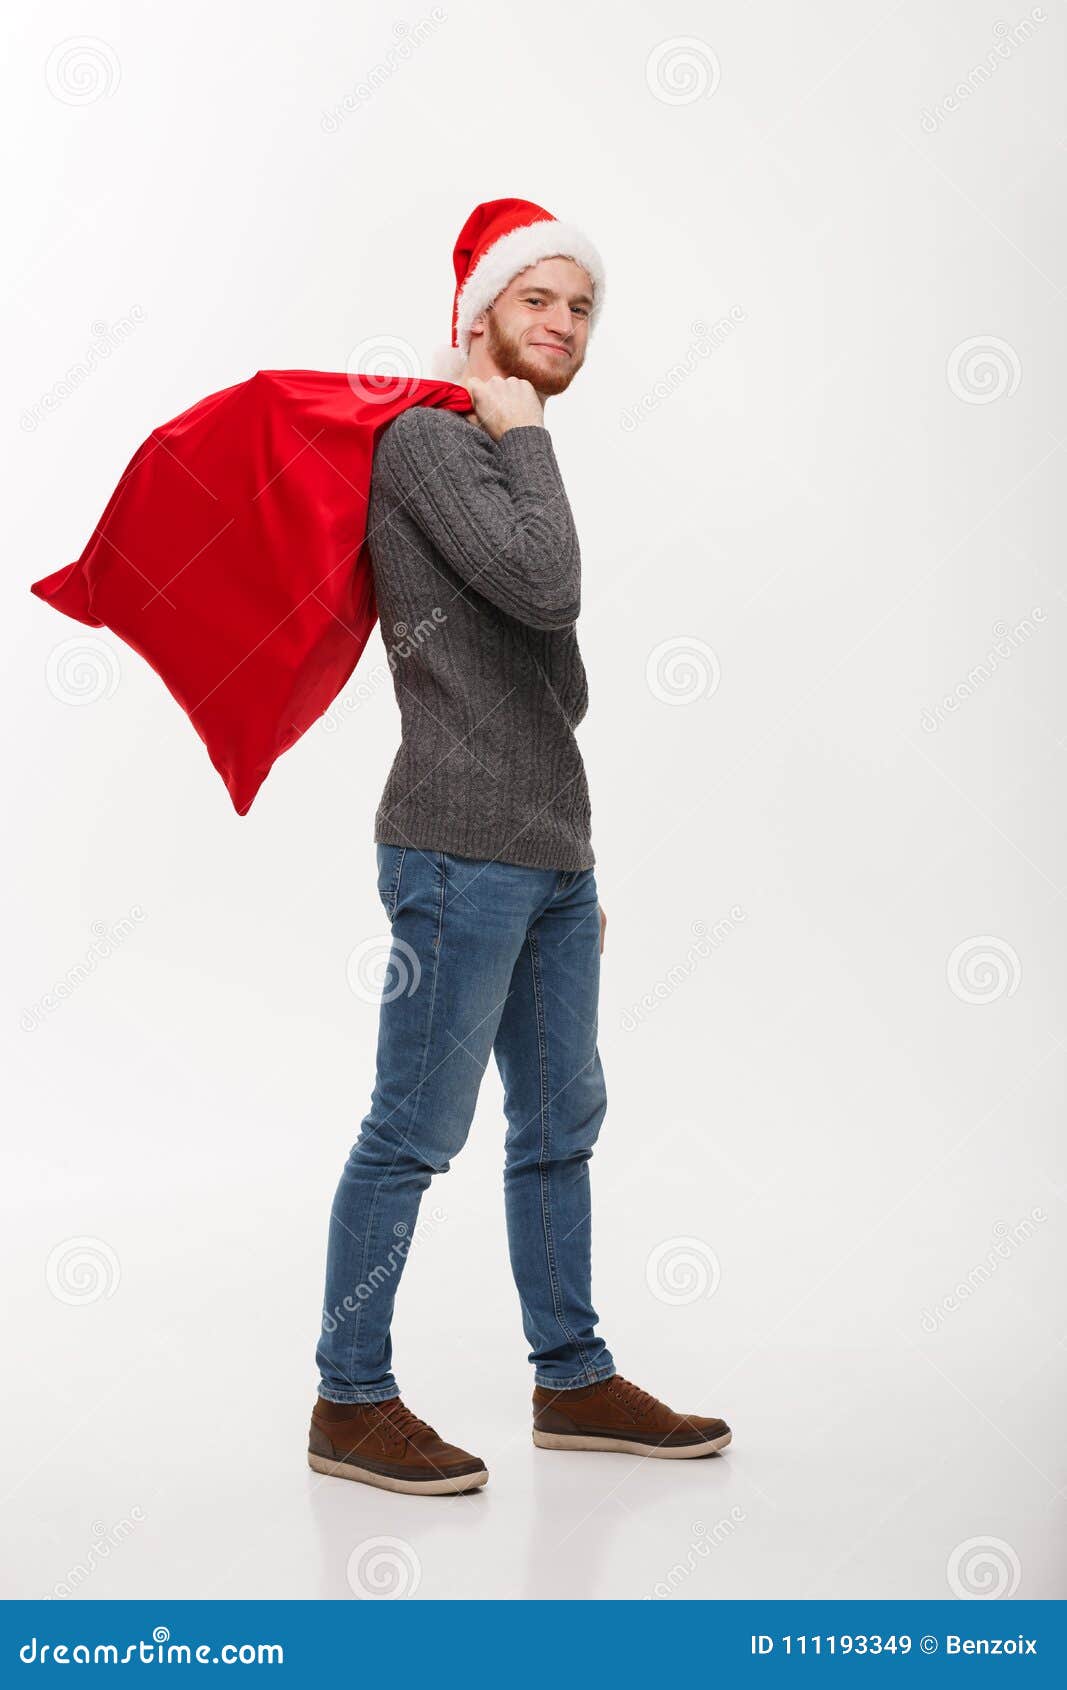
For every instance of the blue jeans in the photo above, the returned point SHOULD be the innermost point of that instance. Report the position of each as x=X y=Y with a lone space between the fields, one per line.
x=485 y=957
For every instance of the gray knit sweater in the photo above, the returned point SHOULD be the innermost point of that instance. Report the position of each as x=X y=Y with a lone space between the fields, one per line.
x=478 y=580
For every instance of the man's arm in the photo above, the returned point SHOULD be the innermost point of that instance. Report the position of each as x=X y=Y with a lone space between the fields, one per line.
x=500 y=517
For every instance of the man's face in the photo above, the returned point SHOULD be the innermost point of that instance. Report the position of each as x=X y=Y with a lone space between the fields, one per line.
x=538 y=327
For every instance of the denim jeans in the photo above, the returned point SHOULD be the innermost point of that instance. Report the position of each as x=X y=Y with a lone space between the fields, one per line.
x=485 y=957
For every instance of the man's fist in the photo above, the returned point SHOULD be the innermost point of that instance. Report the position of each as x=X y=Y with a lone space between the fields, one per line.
x=504 y=402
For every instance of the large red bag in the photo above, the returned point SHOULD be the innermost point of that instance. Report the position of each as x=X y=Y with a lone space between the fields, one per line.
x=233 y=556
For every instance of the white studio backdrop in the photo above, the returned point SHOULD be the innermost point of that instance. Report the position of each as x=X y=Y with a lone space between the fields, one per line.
x=815 y=459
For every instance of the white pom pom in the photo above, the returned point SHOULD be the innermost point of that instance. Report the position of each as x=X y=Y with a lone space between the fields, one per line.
x=447 y=364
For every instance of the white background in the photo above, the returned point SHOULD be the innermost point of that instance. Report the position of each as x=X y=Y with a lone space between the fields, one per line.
x=829 y=1121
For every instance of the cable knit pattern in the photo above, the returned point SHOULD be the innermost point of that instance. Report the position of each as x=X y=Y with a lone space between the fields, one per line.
x=478 y=579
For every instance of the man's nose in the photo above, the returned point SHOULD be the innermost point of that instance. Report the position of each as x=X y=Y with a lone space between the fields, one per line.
x=559 y=318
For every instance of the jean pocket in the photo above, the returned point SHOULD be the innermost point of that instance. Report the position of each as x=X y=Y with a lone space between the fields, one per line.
x=390 y=868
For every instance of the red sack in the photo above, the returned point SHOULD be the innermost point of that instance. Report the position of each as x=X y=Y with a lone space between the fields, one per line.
x=233 y=556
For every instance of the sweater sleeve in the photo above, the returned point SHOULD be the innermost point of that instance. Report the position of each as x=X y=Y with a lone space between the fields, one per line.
x=497 y=513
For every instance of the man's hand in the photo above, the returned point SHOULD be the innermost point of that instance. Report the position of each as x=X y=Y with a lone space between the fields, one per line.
x=603 y=927
x=504 y=402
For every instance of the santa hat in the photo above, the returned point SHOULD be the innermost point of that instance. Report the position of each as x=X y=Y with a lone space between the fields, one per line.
x=500 y=240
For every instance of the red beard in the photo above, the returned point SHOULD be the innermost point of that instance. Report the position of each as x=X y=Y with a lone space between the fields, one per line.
x=511 y=359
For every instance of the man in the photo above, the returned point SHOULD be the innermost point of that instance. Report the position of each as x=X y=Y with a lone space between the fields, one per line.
x=485 y=871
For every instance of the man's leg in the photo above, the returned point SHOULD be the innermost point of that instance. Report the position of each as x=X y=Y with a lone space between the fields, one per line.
x=458 y=926
x=555 y=1101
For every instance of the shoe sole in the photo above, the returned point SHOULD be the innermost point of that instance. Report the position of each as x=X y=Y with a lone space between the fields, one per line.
x=408 y=1487
x=625 y=1446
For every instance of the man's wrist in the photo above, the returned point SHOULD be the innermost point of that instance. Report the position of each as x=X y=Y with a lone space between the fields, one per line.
x=513 y=428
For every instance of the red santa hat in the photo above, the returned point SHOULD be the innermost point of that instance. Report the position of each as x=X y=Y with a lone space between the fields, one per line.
x=500 y=240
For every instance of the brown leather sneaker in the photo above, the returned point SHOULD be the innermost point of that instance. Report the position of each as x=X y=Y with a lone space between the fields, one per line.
x=384 y=1444
x=616 y=1415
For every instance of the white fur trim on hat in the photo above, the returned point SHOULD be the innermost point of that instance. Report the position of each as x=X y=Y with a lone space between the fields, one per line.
x=517 y=251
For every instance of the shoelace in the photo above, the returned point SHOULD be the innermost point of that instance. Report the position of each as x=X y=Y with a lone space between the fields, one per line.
x=642 y=1402
x=405 y=1422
